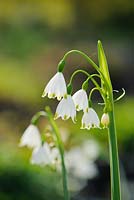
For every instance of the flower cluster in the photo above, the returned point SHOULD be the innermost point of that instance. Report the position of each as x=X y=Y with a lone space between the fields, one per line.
x=42 y=153
x=79 y=162
x=68 y=105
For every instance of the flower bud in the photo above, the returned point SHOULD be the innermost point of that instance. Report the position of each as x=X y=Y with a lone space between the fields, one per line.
x=105 y=119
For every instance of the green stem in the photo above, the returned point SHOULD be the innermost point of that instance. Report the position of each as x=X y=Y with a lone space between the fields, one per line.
x=114 y=160
x=76 y=72
x=36 y=117
x=84 y=55
x=91 y=92
x=90 y=61
x=61 y=149
x=88 y=75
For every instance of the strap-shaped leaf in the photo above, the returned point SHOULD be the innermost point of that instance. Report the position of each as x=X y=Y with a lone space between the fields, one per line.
x=103 y=64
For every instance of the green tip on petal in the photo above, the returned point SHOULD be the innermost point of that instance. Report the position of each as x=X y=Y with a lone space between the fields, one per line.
x=65 y=96
x=53 y=95
x=74 y=120
x=65 y=117
x=77 y=107
x=56 y=116
x=44 y=94
x=83 y=126
x=86 y=110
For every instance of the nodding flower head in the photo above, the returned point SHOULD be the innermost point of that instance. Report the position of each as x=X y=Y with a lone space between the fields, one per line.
x=31 y=137
x=105 y=120
x=80 y=100
x=56 y=87
x=66 y=109
x=90 y=119
x=43 y=155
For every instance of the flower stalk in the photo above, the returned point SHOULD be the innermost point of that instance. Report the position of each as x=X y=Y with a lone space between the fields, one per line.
x=42 y=154
x=61 y=150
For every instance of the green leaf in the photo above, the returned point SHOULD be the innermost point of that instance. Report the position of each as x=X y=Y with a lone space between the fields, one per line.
x=103 y=64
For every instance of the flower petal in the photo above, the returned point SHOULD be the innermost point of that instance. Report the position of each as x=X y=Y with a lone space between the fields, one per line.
x=90 y=119
x=81 y=100
x=31 y=137
x=56 y=87
x=66 y=109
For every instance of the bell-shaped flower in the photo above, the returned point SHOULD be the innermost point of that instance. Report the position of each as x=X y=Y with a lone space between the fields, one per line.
x=56 y=87
x=90 y=119
x=66 y=109
x=105 y=119
x=31 y=137
x=80 y=100
x=43 y=155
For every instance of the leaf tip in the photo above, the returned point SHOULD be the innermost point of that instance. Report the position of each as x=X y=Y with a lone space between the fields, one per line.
x=99 y=42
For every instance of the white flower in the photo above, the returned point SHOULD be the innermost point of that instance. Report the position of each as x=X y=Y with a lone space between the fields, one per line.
x=81 y=100
x=105 y=119
x=90 y=119
x=31 y=137
x=56 y=87
x=66 y=109
x=43 y=155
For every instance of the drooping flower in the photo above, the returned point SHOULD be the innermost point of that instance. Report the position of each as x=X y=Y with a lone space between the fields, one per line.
x=105 y=119
x=90 y=119
x=81 y=100
x=56 y=87
x=31 y=137
x=43 y=155
x=66 y=109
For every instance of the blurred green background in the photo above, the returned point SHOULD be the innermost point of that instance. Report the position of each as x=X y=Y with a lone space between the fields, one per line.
x=34 y=35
